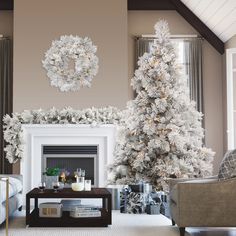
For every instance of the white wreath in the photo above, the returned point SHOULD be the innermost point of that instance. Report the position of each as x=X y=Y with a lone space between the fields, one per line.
x=79 y=51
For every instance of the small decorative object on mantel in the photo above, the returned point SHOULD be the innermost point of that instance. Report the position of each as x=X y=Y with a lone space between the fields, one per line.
x=71 y=63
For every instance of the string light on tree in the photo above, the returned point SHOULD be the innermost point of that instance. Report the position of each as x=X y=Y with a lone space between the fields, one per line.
x=162 y=134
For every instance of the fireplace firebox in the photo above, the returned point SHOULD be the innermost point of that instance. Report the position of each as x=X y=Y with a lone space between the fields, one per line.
x=70 y=158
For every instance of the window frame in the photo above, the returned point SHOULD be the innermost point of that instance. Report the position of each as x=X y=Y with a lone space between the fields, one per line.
x=230 y=97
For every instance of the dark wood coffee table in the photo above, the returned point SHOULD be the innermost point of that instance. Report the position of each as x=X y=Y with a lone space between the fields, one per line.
x=33 y=219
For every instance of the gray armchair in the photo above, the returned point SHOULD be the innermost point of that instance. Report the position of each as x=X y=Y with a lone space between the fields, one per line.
x=203 y=203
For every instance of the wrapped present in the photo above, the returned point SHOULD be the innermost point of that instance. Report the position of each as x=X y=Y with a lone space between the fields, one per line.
x=142 y=187
x=156 y=197
x=124 y=199
x=152 y=209
x=134 y=199
x=137 y=188
x=165 y=208
x=132 y=202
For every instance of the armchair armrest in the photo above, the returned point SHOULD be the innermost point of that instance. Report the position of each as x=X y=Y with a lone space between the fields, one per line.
x=173 y=182
x=20 y=177
x=15 y=186
x=211 y=200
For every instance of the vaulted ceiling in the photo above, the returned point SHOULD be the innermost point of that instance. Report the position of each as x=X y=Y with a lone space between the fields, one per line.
x=218 y=15
x=215 y=20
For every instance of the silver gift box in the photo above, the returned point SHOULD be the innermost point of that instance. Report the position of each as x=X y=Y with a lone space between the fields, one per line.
x=70 y=205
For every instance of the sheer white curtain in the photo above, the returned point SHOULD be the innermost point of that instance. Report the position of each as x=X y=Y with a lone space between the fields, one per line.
x=189 y=56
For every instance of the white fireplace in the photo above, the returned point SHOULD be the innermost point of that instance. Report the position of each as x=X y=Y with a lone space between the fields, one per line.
x=37 y=136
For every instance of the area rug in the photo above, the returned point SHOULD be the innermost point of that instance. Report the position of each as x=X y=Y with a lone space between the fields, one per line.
x=122 y=225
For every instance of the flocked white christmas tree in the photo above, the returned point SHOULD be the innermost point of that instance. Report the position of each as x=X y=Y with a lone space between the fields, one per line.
x=162 y=134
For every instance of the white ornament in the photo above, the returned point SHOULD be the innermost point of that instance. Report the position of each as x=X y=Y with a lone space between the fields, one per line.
x=77 y=52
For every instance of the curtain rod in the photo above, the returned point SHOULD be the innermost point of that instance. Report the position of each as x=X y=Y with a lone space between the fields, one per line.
x=173 y=36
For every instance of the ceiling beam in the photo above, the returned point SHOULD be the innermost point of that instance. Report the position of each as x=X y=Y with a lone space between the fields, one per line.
x=177 y=5
x=185 y=12
x=6 y=5
x=193 y=20
x=150 y=5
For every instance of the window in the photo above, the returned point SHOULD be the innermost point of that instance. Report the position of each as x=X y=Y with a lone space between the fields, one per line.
x=231 y=97
x=189 y=51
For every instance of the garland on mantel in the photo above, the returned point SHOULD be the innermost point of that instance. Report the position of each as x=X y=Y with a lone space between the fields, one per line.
x=13 y=133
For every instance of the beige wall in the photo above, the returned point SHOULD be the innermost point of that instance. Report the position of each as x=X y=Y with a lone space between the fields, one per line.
x=231 y=43
x=37 y=23
x=142 y=22
x=6 y=23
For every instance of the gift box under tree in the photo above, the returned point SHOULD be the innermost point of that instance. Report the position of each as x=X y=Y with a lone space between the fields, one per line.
x=132 y=202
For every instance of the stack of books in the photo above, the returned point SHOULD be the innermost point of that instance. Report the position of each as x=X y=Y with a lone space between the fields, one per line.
x=83 y=211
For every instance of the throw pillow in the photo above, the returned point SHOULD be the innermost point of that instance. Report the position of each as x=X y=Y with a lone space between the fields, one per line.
x=228 y=166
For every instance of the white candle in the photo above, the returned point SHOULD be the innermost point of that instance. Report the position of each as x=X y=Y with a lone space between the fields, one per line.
x=87 y=185
x=81 y=186
x=77 y=186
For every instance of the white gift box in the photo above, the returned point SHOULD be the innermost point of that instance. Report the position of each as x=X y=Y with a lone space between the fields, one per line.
x=50 y=209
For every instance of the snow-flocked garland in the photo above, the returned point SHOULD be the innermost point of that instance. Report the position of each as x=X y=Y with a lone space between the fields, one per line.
x=13 y=132
x=79 y=51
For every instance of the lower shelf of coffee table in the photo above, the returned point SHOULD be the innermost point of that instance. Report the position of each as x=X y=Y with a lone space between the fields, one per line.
x=67 y=221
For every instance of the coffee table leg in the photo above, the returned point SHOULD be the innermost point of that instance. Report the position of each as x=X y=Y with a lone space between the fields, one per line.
x=36 y=203
x=104 y=203
x=27 y=209
x=109 y=205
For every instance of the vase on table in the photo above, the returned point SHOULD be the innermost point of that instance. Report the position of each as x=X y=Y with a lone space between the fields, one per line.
x=49 y=180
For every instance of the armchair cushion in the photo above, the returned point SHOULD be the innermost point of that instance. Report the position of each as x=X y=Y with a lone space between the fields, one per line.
x=228 y=166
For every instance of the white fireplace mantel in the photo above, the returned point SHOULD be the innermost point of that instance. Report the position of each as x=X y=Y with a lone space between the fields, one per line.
x=38 y=135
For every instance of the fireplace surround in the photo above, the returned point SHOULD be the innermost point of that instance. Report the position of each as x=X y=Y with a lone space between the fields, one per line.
x=37 y=136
